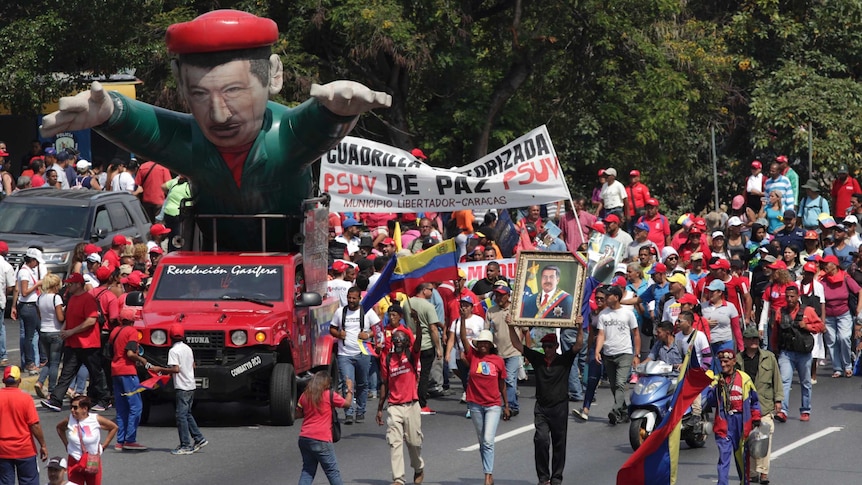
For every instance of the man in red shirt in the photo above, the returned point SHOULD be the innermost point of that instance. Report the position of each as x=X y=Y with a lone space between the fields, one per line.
x=638 y=194
x=659 y=227
x=111 y=259
x=81 y=346
x=399 y=376
x=149 y=180
x=843 y=188
x=124 y=344
x=19 y=425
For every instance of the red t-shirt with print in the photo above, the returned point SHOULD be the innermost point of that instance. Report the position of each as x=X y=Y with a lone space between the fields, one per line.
x=317 y=422
x=401 y=374
x=483 y=385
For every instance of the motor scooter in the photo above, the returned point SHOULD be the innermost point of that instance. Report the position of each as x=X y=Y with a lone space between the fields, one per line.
x=650 y=403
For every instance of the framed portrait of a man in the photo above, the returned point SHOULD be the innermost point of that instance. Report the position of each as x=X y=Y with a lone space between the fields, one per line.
x=549 y=288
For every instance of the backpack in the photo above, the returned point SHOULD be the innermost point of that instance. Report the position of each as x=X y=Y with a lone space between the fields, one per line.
x=101 y=319
x=810 y=299
x=790 y=336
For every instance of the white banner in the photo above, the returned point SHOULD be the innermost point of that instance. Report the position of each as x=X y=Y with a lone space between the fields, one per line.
x=365 y=176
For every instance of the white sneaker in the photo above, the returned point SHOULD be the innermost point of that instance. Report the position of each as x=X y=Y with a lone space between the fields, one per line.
x=463 y=397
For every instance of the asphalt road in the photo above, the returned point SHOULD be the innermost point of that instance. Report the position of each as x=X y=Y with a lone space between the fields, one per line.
x=245 y=449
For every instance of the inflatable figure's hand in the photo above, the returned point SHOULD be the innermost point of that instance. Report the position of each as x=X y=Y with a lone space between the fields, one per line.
x=84 y=110
x=349 y=98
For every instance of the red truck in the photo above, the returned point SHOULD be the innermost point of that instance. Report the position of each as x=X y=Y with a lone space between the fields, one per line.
x=257 y=322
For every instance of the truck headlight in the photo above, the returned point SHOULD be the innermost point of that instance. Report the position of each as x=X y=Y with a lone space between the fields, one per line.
x=159 y=337
x=238 y=337
x=56 y=258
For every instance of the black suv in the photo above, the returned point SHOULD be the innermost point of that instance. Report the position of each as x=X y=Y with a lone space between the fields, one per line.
x=57 y=220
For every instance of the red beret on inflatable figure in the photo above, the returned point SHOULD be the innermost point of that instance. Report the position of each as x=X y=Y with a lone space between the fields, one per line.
x=245 y=154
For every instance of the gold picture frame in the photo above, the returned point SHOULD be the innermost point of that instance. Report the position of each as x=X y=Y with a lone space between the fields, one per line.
x=564 y=286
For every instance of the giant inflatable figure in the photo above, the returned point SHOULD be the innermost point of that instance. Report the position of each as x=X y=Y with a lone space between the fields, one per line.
x=243 y=153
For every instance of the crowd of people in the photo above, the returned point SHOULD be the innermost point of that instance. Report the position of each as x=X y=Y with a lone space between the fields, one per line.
x=773 y=280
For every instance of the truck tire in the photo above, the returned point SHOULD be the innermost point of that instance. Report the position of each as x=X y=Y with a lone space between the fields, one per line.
x=282 y=395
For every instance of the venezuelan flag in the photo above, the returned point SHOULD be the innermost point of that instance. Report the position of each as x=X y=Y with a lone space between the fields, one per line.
x=437 y=263
x=655 y=462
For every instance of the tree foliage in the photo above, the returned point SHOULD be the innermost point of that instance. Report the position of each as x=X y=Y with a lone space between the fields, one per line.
x=624 y=83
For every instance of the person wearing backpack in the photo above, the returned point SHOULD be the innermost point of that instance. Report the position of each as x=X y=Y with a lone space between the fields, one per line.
x=352 y=327
x=796 y=325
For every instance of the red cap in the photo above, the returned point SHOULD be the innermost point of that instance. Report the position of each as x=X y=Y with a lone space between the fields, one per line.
x=388 y=242
x=176 y=331
x=811 y=235
x=339 y=266
x=408 y=217
x=159 y=230
x=416 y=152
x=221 y=30
x=720 y=264
x=134 y=279
x=4 y=248
x=127 y=314
x=92 y=249
x=658 y=268
x=612 y=218
x=4 y=153
x=700 y=223
x=601 y=172
x=104 y=274
x=119 y=240
x=620 y=281
x=599 y=226
x=687 y=299
x=756 y=164
x=157 y=250
x=779 y=264
x=550 y=338
x=781 y=159
x=652 y=201
x=635 y=173
x=830 y=259
x=809 y=267
x=75 y=278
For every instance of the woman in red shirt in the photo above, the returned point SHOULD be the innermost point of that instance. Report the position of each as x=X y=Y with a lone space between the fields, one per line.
x=486 y=390
x=315 y=436
x=773 y=301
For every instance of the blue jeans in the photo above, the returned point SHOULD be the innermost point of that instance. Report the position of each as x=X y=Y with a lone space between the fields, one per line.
x=316 y=452
x=513 y=364
x=801 y=363
x=128 y=408
x=27 y=469
x=838 y=330
x=79 y=383
x=51 y=346
x=373 y=374
x=355 y=368
x=187 y=427
x=3 y=354
x=485 y=420
x=28 y=315
x=594 y=375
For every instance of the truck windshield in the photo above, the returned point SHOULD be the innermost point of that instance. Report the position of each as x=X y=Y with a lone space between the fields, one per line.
x=44 y=219
x=218 y=282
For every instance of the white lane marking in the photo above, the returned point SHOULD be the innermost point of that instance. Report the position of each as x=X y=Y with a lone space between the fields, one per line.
x=806 y=440
x=509 y=434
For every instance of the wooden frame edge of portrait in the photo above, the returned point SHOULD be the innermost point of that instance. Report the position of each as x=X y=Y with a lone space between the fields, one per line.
x=566 y=262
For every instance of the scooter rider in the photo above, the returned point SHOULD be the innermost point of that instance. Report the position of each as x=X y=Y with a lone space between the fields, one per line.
x=667 y=348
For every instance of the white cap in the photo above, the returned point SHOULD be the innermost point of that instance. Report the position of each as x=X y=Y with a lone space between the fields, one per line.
x=35 y=254
x=851 y=219
x=621 y=268
x=611 y=171
x=717 y=234
x=734 y=221
x=83 y=165
x=94 y=258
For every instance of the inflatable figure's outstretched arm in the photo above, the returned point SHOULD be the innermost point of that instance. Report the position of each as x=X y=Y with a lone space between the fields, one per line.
x=349 y=98
x=84 y=110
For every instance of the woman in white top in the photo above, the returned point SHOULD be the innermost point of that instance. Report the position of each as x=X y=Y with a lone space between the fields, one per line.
x=80 y=433
x=50 y=307
x=28 y=282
